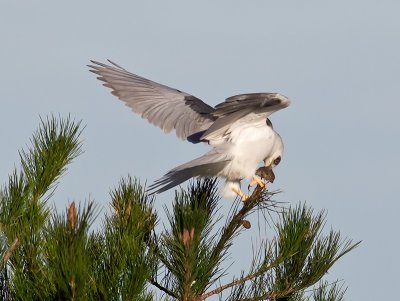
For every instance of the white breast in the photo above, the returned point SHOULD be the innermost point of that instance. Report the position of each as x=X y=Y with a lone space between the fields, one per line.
x=250 y=144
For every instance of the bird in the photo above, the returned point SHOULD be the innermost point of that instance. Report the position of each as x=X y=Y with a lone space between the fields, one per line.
x=238 y=130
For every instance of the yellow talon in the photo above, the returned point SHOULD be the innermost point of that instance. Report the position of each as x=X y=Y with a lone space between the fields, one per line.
x=257 y=180
x=241 y=194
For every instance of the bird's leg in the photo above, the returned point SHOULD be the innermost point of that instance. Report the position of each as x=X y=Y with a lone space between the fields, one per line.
x=240 y=193
x=257 y=180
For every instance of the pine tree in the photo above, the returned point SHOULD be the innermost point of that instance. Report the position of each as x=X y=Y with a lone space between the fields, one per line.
x=48 y=255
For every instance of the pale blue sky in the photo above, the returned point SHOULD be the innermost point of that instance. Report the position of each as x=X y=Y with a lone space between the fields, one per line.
x=338 y=61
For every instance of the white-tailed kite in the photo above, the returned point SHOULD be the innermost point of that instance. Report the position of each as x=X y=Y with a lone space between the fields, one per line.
x=238 y=129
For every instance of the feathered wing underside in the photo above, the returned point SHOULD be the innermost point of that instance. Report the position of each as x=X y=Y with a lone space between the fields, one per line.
x=165 y=107
x=209 y=165
x=258 y=102
x=245 y=106
x=171 y=109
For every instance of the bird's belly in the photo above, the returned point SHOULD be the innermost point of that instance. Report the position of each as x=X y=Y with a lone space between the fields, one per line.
x=250 y=147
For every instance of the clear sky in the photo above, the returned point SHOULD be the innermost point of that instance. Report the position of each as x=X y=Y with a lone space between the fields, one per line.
x=338 y=61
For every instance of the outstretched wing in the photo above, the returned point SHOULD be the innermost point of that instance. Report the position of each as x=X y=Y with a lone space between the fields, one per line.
x=165 y=107
x=245 y=108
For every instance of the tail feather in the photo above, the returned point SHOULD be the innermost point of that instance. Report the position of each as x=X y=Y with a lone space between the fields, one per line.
x=208 y=165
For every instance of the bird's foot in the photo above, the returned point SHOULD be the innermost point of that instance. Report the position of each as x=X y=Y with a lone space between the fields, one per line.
x=243 y=196
x=257 y=180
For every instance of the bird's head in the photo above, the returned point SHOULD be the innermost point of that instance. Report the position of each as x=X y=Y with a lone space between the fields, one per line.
x=273 y=161
x=276 y=155
x=266 y=171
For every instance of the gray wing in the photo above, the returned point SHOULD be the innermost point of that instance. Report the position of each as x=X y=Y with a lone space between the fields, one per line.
x=208 y=165
x=165 y=107
x=248 y=106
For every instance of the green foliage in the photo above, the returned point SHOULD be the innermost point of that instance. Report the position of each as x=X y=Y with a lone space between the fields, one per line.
x=54 y=146
x=186 y=249
x=23 y=211
x=67 y=257
x=57 y=256
x=326 y=292
x=312 y=253
x=122 y=262
x=295 y=260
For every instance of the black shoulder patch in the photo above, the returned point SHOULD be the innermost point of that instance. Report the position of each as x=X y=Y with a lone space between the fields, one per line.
x=195 y=138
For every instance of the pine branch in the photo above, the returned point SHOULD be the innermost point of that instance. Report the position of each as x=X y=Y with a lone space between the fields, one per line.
x=68 y=259
x=53 y=146
x=237 y=282
x=333 y=293
x=164 y=289
x=16 y=243
x=237 y=221
x=306 y=256
x=281 y=296
x=23 y=210
x=122 y=259
x=185 y=247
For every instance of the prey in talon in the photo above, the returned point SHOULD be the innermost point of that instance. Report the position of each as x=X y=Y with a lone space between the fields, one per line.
x=263 y=173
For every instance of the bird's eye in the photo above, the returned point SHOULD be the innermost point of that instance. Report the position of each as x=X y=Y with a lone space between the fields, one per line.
x=277 y=160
